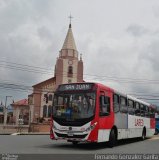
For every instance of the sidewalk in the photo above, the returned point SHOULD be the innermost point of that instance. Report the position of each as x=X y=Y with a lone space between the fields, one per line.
x=25 y=133
x=14 y=130
x=31 y=133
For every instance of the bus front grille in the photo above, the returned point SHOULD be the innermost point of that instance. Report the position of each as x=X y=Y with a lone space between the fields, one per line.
x=67 y=136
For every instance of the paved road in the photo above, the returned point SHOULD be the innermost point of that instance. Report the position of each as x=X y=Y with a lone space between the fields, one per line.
x=41 y=144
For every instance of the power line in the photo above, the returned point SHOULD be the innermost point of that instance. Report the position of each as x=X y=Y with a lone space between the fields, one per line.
x=124 y=80
x=41 y=70
x=26 y=69
x=151 y=99
x=150 y=95
x=22 y=87
x=25 y=65
x=100 y=78
x=26 y=87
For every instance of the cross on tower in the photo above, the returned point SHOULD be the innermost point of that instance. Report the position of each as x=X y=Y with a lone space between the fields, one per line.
x=70 y=17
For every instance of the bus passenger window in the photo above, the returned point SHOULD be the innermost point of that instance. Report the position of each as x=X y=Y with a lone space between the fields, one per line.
x=104 y=106
x=142 y=112
x=146 y=111
x=116 y=103
x=152 y=112
x=137 y=109
x=131 y=109
x=123 y=105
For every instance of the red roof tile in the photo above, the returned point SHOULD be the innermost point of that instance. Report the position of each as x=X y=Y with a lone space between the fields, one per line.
x=23 y=102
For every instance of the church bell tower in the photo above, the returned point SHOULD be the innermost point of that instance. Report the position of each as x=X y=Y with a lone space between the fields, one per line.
x=69 y=66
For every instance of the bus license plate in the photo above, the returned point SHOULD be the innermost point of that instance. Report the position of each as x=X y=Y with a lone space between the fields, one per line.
x=70 y=133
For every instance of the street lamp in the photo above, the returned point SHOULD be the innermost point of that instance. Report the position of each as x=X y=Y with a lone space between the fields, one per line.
x=5 y=110
x=1 y=112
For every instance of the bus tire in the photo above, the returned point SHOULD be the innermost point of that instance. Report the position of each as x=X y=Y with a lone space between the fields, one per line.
x=143 y=134
x=112 y=138
x=156 y=131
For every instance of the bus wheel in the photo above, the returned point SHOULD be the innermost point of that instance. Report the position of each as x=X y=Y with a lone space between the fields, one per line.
x=112 y=139
x=156 y=132
x=143 y=134
x=74 y=142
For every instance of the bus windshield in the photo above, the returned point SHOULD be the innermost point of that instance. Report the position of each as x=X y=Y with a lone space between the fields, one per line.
x=74 y=106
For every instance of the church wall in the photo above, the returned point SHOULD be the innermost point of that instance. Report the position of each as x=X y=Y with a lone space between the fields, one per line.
x=44 y=103
x=80 y=72
x=47 y=86
x=37 y=104
x=65 y=71
x=59 y=71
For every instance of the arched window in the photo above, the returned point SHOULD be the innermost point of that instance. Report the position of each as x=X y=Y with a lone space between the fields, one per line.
x=45 y=111
x=49 y=111
x=50 y=97
x=69 y=81
x=70 y=70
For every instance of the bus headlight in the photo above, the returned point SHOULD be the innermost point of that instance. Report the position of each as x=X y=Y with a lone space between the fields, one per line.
x=54 y=127
x=90 y=128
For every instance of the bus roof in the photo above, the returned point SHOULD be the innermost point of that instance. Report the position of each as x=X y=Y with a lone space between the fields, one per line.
x=138 y=100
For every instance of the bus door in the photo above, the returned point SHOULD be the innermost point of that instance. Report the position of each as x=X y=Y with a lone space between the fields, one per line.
x=105 y=113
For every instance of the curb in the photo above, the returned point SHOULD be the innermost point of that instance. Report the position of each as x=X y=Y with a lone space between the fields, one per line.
x=34 y=134
x=19 y=134
x=5 y=133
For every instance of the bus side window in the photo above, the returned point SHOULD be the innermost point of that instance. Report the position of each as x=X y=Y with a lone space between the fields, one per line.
x=146 y=111
x=123 y=105
x=137 y=109
x=104 y=105
x=131 y=109
x=152 y=112
x=116 y=103
x=142 y=112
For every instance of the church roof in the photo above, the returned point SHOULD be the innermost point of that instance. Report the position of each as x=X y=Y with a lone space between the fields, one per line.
x=50 y=80
x=23 y=102
x=69 y=42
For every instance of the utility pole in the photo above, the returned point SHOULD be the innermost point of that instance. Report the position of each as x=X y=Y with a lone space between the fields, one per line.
x=6 y=111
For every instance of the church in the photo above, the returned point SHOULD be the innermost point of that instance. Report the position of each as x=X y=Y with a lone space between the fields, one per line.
x=68 y=69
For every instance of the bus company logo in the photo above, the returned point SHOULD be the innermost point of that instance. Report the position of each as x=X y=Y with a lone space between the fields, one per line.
x=139 y=122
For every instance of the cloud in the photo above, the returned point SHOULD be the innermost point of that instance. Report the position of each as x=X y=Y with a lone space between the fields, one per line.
x=150 y=55
x=24 y=38
x=127 y=57
x=156 y=11
x=137 y=30
x=116 y=42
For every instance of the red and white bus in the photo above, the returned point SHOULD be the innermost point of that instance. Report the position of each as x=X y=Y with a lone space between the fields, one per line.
x=93 y=112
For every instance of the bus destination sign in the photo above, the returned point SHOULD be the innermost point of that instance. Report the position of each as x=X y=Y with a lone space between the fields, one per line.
x=72 y=87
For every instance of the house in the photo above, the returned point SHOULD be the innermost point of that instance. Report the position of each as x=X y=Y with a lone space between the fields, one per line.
x=21 y=111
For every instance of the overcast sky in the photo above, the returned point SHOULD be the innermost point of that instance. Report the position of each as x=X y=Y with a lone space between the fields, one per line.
x=117 y=38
